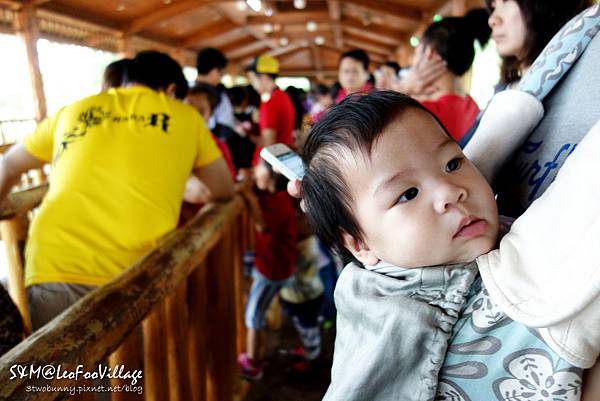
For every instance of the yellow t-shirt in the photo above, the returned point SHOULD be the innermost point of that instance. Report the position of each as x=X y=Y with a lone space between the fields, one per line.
x=120 y=161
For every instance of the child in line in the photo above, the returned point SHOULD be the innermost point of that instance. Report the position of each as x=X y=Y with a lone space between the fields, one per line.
x=387 y=187
x=275 y=248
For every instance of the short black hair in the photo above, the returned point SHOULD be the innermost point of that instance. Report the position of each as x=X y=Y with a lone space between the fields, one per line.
x=210 y=58
x=393 y=65
x=318 y=89
x=238 y=95
x=211 y=93
x=354 y=124
x=359 y=55
x=156 y=70
x=452 y=38
x=114 y=73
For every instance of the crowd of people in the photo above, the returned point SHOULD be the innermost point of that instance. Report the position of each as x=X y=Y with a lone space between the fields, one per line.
x=388 y=192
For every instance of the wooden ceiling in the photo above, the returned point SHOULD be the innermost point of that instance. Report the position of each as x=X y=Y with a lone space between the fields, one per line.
x=381 y=27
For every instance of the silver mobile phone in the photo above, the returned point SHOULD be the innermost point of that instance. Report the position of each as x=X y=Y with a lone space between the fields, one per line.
x=285 y=160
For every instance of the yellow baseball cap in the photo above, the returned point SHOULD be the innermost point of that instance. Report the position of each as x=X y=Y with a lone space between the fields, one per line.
x=265 y=64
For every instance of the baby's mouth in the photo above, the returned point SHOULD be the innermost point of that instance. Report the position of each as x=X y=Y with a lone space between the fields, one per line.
x=470 y=226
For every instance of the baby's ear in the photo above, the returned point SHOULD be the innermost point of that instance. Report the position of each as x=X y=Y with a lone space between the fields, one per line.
x=359 y=249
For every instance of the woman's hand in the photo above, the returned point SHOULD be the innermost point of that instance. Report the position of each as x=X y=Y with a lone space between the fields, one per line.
x=427 y=67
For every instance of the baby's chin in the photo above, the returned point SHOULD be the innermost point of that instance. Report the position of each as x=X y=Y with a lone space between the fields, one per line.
x=477 y=249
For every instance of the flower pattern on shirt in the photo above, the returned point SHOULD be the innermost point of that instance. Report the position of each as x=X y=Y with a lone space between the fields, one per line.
x=448 y=391
x=534 y=378
x=485 y=314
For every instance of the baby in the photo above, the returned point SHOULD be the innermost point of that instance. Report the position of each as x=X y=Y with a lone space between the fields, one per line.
x=388 y=188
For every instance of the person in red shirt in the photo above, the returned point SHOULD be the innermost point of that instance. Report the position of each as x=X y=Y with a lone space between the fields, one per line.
x=453 y=40
x=353 y=74
x=275 y=244
x=276 y=113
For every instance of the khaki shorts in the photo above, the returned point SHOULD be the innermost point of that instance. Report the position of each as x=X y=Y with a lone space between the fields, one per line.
x=48 y=300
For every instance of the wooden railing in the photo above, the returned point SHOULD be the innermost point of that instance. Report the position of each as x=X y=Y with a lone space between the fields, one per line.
x=185 y=299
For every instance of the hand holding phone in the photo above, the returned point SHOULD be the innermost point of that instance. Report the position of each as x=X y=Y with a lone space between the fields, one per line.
x=284 y=159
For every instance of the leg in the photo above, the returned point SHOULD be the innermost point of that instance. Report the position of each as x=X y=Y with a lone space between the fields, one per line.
x=255 y=344
x=261 y=294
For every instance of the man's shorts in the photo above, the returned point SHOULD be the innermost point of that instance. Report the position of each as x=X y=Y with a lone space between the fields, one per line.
x=48 y=300
x=261 y=294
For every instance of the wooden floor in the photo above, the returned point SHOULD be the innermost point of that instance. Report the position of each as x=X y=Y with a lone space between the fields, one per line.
x=280 y=383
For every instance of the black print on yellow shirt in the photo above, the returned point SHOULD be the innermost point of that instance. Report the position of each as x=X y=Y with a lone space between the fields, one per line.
x=96 y=115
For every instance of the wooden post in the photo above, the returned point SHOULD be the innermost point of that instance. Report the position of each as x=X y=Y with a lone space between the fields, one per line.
x=198 y=344
x=155 y=356
x=9 y=230
x=128 y=355
x=240 y=289
x=26 y=28
x=125 y=46
x=177 y=321
x=222 y=366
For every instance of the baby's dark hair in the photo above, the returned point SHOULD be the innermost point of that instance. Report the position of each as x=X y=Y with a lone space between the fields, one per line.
x=353 y=125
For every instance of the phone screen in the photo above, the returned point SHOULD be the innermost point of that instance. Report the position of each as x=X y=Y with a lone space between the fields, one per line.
x=293 y=162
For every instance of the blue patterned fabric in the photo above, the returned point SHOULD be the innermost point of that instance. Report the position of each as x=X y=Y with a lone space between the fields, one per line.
x=561 y=53
x=492 y=357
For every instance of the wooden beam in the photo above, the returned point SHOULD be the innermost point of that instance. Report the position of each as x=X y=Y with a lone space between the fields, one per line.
x=389 y=7
x=373 y=55
x=163 y=12
x=210 y=31
x=373 y=34
x=335 y=13
x=236 y=44
x=358 y=43
x=27 y=30
x=296 y=17
x=227 y=17
x=243 y=52
x=282 y=51
x=381 y=30
x=282 y=58
x=247 y=58
x=310 y=36
x=370 y=42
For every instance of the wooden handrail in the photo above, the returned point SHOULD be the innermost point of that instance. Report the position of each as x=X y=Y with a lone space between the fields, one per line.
x=23 y=201
x=90 y=330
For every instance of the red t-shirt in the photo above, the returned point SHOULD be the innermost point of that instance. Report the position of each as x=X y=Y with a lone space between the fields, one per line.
x=275 y=247
x=226 y=155
x=341 y=95
x=278 y=114
x=457 y=113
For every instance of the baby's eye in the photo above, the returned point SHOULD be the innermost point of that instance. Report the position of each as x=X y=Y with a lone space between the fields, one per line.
x=454 y=164
x=408 y=195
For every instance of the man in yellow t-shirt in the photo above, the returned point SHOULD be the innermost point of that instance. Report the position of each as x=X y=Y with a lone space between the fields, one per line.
x=120 y=161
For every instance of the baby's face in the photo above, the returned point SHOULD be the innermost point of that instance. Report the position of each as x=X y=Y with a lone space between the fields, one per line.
x=418 y=201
